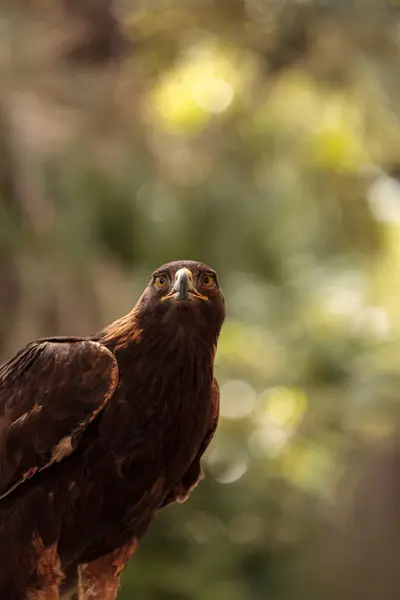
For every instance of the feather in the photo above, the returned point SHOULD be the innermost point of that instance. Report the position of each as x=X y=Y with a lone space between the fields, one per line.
x=49 y=393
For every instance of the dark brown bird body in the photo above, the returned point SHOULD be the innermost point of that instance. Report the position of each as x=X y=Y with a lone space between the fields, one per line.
x=99 y=433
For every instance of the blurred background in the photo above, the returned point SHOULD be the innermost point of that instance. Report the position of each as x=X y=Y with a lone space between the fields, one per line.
x=261 y=137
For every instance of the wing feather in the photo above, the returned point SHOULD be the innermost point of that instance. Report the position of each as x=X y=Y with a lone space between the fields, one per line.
x=214 y=415
x=49 y=393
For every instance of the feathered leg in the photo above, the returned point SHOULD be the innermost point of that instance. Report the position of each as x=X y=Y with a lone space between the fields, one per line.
x=99 y=580
x=47 y=593
x=45 y=582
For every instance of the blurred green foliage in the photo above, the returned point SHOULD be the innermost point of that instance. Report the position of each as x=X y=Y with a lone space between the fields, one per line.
x=260 y=137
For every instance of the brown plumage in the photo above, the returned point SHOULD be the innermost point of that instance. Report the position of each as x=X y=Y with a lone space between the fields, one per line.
x=98 y=433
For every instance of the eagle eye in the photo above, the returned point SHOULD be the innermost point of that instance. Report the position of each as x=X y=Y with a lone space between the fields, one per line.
x=161 y=281
x=207 y=281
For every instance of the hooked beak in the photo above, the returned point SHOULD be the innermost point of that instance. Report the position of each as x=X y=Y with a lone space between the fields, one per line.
x=183 y=287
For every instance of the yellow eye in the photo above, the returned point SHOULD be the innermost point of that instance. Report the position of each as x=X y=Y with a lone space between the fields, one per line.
x=207 y=281
x=161 y=281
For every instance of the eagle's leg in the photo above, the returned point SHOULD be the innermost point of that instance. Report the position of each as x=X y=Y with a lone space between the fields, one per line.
x=45 y=582
x=99 y=580
x=47 y=593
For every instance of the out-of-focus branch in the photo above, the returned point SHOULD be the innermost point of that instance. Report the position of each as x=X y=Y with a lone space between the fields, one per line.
x=97 y=35
x=87 y=32
x=367 y=548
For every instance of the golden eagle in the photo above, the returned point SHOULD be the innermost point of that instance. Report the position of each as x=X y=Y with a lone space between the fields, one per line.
x=98 y=433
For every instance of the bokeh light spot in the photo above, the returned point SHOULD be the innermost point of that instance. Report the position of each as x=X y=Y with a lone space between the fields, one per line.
x=285 y=406
x=238 y=399
x=213 y=95
x=233 y=472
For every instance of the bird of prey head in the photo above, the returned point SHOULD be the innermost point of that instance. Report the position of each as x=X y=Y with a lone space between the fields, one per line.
x=184 y=292
x=183 y=300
